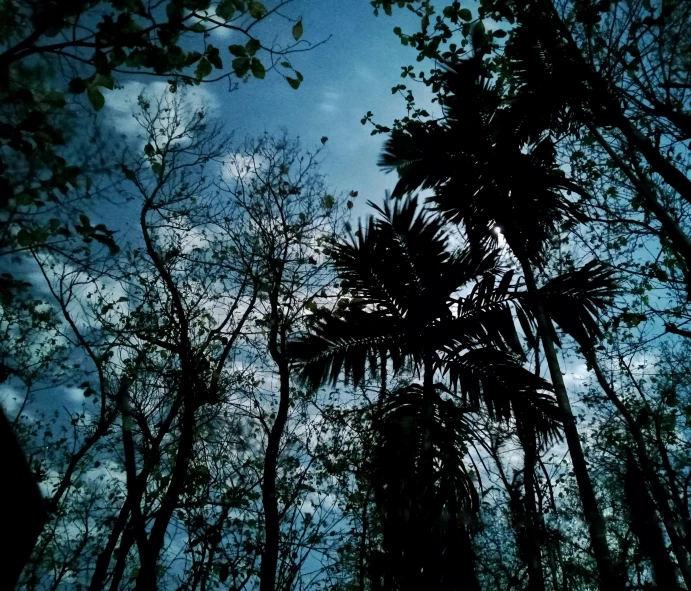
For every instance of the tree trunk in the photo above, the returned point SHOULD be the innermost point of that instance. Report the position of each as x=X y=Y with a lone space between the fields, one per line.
x=532 y=550
x=147 y=577
x=22 y=514
x=649 y=473
x=269 y=562
x=645 y=525
x=596 y=523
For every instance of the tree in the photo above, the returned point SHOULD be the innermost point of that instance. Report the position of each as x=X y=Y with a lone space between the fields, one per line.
x=406 y=309
x=50 y=51
x=287 y=219
x=523 y=200
x=175 y=330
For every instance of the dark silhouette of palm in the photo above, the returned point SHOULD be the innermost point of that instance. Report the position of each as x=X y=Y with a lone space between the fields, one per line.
x=491 y=163
x=408 y=307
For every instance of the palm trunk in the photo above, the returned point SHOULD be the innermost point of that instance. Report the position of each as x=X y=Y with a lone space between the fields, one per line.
x=596 y=523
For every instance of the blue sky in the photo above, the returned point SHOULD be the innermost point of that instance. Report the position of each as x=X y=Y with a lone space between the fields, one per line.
x=343 y=79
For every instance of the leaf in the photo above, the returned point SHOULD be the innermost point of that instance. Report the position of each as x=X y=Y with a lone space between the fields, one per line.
x=293 y=82
x=23 y=238
x=225 y=10
x=253 y=46
x=297 y=30
x=96 y=98
x=349 y=204
x=256 y=9
x=499 y=34
x=105 y=81
x=129 y=173
x=55 y=98
x=77 y=85
x=324 y=139
x=258 y=70
x=465 y=14
x=215 y=60
x=241 y=66
x=204 y=68
x=238 y=50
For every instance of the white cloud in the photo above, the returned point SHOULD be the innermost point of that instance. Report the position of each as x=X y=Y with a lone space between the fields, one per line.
x=221 y=33
x=122 y=103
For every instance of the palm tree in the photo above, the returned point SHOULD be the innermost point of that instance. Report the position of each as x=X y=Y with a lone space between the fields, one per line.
x=491 y=163
x=406 y=308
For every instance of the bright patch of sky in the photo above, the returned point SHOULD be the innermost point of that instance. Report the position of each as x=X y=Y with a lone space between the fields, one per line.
x=349 y=75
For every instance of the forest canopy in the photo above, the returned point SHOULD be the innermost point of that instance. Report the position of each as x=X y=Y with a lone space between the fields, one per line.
x=231 y=360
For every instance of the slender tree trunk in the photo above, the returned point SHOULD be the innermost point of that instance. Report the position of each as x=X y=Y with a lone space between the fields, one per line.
x=533 y=553
x=596 y=523
x=147 y=578
x=277 y=339
x=645 y=525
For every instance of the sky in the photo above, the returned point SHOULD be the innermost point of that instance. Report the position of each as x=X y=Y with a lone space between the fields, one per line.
x=350 y=74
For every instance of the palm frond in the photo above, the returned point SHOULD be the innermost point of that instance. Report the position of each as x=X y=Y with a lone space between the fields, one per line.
x=575 y=300
x=495 y=380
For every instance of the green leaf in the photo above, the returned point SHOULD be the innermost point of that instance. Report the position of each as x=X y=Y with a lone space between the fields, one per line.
x=253 y=46
x=96 y=98
x=499 y=34
x=225 y=10
x=77 y=86
x=24 y=238
x=198 y=28
x=55 y=99
x=203 y=69
x=465 y=14
x=297 y=30
x=258 y=70
x=129 y=173
x=149 y=150
x=293 y=82
x=105 y=81
x=238 y=50
x=241 y=66
x=215 y=59
x=256 y=9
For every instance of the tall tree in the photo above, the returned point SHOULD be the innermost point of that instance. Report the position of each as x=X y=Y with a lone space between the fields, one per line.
x=460 y=159
x=405 y=282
